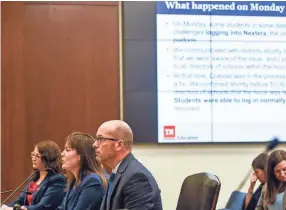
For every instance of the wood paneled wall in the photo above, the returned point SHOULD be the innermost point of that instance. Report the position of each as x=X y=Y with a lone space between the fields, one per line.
x=60 y=73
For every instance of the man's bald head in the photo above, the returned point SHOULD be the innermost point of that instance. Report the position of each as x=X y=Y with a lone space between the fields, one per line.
x=120 y=130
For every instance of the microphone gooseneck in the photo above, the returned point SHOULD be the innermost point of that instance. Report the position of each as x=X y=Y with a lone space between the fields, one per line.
x=271 y=145
x=17 y=189
x=8 y=191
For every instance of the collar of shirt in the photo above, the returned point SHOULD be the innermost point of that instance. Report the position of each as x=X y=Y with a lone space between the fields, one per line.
x=116 y=167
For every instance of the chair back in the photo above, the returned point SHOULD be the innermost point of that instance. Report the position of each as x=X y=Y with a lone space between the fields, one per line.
x=199 y=192
x=236 y=200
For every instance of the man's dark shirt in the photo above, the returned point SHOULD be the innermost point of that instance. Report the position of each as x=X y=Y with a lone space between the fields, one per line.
x=254 y=199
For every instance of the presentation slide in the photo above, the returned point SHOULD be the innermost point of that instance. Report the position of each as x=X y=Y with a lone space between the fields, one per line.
x=221 y=71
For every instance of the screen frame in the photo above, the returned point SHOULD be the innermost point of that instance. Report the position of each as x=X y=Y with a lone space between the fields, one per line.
x=139 y=52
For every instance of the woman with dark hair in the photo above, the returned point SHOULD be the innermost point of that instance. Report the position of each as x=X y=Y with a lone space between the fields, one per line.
x=86 y=181
x=46 y=188
x=272 y=197
x=258 y=165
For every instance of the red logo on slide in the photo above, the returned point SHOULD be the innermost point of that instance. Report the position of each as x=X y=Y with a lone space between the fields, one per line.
x=169 y=131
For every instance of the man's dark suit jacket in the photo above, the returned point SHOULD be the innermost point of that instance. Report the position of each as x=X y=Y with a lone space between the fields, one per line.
x=87 y=196
x=49 y=195
x=134 y=187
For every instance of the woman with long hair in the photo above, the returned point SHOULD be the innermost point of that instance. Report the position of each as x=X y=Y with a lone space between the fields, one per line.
x=46 y=188
x=85 y=179
x=272 y=196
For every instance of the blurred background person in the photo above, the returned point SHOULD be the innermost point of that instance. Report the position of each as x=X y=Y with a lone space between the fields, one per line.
x=86 y=182
x=272 y=196
x=258 y=165
x=47 y=186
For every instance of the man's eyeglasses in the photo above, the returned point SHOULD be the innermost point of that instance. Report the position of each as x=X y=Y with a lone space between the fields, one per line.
x=99 y=139
x=35 y=155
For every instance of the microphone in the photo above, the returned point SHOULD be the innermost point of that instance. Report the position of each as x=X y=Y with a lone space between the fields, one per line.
x=8 y=191
x=271 y=145
x=17 y=189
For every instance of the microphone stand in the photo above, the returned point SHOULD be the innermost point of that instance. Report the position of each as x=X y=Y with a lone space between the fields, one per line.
x=272 y=144
x=17 y=189
x=245 y=179
x=8 y=191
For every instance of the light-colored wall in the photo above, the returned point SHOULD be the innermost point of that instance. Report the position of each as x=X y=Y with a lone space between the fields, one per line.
x=171 y=164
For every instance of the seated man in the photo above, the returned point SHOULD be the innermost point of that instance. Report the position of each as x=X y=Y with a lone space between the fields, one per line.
x=131 y=185
x=258 y=165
